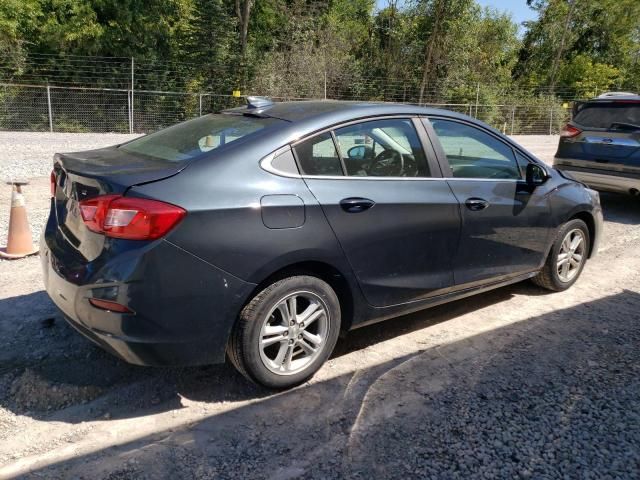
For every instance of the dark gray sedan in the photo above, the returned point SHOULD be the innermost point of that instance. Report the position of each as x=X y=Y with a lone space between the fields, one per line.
x=262 y=232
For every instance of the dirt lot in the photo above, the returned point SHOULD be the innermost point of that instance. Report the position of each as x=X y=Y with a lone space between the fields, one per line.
x=516 y=383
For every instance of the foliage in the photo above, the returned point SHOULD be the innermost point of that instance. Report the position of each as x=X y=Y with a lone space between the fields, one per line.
x=589 y=78
x=414 y=50
x=586 y=44
x=18 y=21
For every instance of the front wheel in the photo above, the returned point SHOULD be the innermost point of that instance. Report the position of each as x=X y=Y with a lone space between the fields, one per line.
x=286 y=332
x=567 y=257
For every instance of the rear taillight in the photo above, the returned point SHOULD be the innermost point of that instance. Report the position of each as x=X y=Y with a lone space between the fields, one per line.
x=52 y=180
x=569 y=131
x=130 y=218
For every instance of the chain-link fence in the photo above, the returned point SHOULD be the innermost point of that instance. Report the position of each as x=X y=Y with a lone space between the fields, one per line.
x=76 y=109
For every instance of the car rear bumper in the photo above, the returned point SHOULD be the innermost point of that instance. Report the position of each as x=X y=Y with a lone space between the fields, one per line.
x=184 y=308
x=601 y=179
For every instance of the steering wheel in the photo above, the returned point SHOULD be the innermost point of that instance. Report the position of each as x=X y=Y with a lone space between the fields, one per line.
x=387 y=163
x=500 y=174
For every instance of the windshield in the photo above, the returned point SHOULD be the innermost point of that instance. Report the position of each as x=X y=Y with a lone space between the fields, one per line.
x=191 y=139
x=606 y=114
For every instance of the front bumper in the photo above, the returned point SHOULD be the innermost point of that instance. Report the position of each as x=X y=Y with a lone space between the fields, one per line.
x=601 y=179
x=184 y=307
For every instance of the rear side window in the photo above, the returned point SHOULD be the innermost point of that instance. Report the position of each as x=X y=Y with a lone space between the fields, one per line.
x=607 y=114
x=191 y=139
x=473 y=153
x=318 y=156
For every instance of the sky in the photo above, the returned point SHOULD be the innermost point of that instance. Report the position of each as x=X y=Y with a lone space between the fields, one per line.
x=518 y=8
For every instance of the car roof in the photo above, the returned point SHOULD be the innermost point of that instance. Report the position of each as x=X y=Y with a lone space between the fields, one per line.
x=303 y=118
x=333 y=111
x=615 y=96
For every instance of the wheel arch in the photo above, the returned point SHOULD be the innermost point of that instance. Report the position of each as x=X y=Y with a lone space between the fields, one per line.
x=330 y=274
x=587 y=218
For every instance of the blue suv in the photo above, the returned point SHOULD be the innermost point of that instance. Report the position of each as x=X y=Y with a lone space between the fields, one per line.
x=600 y=146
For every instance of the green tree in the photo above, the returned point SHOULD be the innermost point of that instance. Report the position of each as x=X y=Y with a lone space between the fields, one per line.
x=18 y=25
x=440 y=21
x=604 y=32
x=589 y=78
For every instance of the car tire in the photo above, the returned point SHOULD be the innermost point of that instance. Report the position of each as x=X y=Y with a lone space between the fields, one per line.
x=562 y=268
x=267 y=327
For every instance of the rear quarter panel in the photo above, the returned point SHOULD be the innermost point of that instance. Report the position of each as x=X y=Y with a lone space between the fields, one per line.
x=225 y=225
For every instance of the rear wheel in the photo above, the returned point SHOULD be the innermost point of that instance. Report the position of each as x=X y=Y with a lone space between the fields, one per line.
x=286 y=332
x=567 y=257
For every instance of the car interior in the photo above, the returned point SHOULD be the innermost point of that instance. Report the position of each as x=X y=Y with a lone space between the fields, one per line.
x=472 y=153
x=383 y=148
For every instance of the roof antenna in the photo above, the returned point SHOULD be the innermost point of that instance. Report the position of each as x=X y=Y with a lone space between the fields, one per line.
x=258 y=102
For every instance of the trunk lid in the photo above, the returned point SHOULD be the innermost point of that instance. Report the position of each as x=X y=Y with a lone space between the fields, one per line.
x=119 y=167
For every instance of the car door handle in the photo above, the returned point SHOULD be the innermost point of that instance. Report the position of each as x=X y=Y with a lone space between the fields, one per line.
x=476 y=204
x=356 y=204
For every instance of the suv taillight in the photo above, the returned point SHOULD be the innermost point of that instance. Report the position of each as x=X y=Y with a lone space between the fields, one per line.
x=52 y=180
x=569 y=131
x=130 y=218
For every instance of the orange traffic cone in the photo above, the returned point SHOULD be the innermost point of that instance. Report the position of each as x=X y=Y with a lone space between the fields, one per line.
x=19 y=241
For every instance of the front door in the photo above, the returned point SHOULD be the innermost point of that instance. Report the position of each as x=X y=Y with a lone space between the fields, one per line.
x=505 y=225
x=397 y=223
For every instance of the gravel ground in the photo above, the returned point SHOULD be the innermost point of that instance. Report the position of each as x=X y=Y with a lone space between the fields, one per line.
x=30 y=154
x=515 y=383
x=25 y=155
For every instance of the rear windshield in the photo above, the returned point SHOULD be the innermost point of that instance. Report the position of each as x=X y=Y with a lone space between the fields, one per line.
x=191 y=139
x=603 y=115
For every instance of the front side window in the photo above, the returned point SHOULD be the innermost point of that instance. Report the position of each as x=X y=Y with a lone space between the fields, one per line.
x=193 y=138
x=382 y=148
x=473 y=153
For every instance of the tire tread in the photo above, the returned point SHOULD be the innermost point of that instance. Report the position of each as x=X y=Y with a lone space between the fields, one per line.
x=236 y=345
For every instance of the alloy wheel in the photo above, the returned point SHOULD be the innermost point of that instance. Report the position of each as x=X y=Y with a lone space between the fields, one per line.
x=571 y=255
x=294 y=333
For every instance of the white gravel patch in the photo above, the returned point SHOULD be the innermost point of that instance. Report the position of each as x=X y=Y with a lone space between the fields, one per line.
x=543 y=146
x=510 y=384
x=30 y=154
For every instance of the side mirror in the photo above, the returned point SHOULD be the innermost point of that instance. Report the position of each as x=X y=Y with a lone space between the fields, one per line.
x=357 y=152
x=536 y=175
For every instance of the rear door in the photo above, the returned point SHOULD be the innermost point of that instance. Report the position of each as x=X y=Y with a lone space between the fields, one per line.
x=505 y=225
x=606 y=137
x=394 y=216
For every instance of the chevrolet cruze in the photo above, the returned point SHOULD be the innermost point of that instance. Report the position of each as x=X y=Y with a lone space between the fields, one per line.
x=260 y=233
